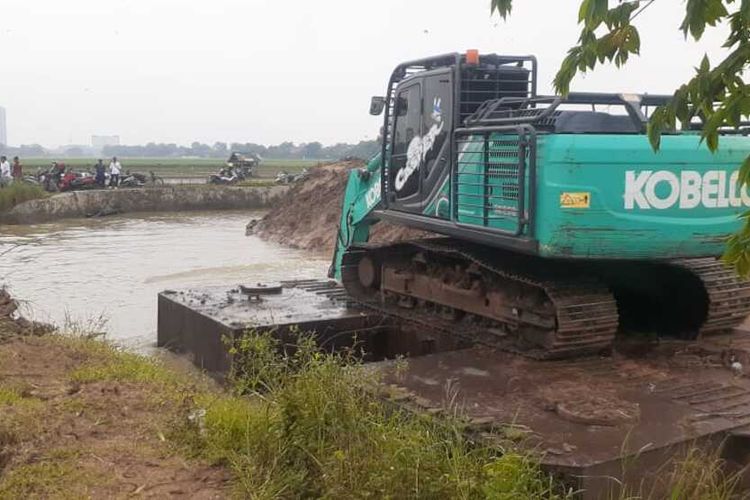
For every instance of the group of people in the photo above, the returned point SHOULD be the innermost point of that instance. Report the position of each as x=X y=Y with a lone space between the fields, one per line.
x=115 y=169
x=10 y=173
x=14 y=173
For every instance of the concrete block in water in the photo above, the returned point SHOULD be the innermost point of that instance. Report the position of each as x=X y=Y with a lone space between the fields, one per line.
x=198 y=322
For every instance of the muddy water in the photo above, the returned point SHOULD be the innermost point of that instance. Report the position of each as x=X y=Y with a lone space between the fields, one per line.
x=113 y=268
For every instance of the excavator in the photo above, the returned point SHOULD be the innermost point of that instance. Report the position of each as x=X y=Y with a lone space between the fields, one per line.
x=559 y=226
x=551 y=284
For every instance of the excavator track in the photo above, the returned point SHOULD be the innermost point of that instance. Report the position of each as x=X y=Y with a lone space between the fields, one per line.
x=728 y=295
x=578 y=315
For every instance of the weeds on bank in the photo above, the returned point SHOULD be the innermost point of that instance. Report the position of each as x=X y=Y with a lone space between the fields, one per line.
x=109 y=363
x=308 y=427
x=104 y=361
x=11 y=396
x=18 y=192
x=699 y=474
x=55 y=475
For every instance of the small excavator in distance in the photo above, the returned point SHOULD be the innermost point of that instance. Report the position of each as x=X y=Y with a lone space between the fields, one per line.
x=559 y=224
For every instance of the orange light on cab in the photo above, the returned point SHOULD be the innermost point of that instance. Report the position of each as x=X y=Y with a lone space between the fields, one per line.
x=472 y=56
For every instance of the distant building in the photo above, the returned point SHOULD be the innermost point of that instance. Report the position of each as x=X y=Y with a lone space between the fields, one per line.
x=3 y=128
x=99 y=141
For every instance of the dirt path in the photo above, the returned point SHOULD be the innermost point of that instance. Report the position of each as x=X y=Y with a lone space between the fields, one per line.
x=307 y=216
x=81 y=419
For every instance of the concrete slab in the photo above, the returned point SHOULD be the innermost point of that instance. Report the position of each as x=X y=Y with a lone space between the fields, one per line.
x=198 y=322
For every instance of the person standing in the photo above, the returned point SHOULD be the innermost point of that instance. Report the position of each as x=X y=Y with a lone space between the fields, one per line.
x=99 y=169
x=5 y=173
x=114 y=172
x=17 y=170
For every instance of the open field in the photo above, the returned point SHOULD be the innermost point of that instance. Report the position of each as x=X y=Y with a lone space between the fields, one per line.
x=177 y=168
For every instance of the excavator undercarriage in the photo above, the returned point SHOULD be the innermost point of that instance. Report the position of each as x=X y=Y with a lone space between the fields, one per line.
x=541 y=308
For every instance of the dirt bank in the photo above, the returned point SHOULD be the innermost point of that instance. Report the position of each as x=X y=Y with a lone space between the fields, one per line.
x=308 y=215
x=80 y=419
x=166 y=199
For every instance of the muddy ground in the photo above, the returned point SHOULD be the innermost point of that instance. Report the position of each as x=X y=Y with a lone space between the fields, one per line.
x=72 y=426
x=307 y=216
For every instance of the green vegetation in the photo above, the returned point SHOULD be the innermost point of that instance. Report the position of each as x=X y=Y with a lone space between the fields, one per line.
x=109 y=363
x=18 y=192
x=14 y=396
x=56 y=475
x=309 y=425
x=294 y=424
x=78 y=412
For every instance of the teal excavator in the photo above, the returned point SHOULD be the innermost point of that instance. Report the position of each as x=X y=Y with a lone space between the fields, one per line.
x=559 y=225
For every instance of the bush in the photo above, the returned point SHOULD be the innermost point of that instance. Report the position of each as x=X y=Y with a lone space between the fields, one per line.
x=18 y=192
x=309 y=426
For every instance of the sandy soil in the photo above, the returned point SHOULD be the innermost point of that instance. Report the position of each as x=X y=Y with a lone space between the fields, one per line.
x=308 y=215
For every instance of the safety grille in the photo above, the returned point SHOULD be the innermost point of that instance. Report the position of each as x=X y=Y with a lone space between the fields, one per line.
x=490 y=180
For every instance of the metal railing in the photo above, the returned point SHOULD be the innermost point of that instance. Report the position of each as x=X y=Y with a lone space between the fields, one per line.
x=493 y=178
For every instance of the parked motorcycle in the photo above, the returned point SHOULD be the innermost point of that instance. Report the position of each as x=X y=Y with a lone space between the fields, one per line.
x=226 y=176
x=285 y=177
x=31 y=179
x=50 y=178
x=132 y=180
x=76 y=181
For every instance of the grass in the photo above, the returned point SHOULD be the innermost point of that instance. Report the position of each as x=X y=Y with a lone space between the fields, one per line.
x=55 y=475
x=308 y=426
x=14 y=396
x=298 y=424
x=106 y=362
x=187 y=168
x=63 y=442
x=18 y=192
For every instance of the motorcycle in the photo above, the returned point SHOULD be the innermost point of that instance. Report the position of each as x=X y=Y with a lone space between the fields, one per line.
x=50 y=178
x=285 y=177
x=132 y=180
x=226 y=176
x=72 y=181
x=31 y=179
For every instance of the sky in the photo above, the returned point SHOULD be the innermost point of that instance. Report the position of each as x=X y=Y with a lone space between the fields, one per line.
x=267 y=71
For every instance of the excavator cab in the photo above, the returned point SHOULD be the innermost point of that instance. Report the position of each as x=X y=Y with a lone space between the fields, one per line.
x=429 y=100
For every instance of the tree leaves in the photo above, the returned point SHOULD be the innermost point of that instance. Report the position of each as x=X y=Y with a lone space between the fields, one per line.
x=592 y=13
x=616 y=45
x=502 y=7
x=700 y=13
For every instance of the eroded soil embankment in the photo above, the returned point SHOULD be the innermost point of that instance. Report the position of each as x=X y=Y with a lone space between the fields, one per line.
x=163 y=199
x=307 y=216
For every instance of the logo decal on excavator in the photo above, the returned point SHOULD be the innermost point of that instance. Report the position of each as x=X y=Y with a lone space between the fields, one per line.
x=419 y=147
x=372 y=196
x=662 y=189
